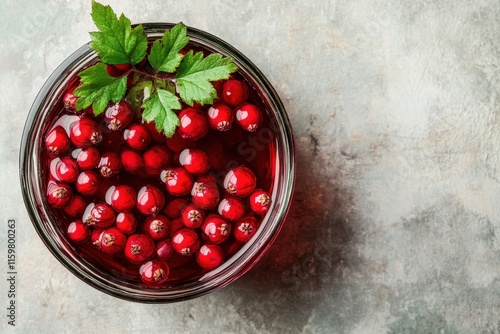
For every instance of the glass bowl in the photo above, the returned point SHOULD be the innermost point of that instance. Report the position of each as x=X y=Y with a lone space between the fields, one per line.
x=45 y=222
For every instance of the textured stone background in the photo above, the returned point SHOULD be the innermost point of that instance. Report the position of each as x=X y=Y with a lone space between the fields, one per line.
x=395 y=224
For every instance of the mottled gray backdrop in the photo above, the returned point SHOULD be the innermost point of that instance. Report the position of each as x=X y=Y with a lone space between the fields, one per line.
x=395 y=224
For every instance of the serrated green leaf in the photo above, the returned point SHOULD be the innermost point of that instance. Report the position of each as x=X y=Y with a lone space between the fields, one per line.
x=195 y=73
x=159 y=107
x=164 y=55
x=116 y=42
x=99 y=88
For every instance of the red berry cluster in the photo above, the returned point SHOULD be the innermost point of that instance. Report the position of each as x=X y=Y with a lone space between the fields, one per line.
x=130 y=192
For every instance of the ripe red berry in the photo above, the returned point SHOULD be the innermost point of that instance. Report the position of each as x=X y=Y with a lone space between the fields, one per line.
x=157 y=227
x=174 y=207
x=110 y=164
x=156 y=136
x=215 y=229
x=77 y=231
x=119 y=115
x=210 y=256
x=59 y=194
x=85 y=133
x=194 y=124
x=131 y=161
x=249 y=117
x=64 y=169
x=75 y=207
x=234 y=92
x=176 y=226
x=176 y=143
x=194 y=161
x=126 y=222
x=117 y=70
x=186 y=242
x=99 y=215
x=231 y=208
x=155 y=271
x=57 y=141
x=69 y=99
x=112 y=240
x=137 y=136
x=192 y=217
x=88 y=183
x=150 y=200
x=156 y=158
x=240 y=181
x=164 y=249
x=205 y=194
x=94 y=237
x=87 y=158
x=245 y=229
x=178 y=181
x=139 y=248
x=260 y=201
x=122 y=198
x=220 y=117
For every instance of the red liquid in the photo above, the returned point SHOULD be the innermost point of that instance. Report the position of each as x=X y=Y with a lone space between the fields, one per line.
x=229 y=149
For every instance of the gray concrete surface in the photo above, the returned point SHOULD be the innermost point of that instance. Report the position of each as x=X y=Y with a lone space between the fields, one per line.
x=395 y=224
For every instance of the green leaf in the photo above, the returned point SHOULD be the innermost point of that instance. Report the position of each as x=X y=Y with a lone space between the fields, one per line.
x=116 y=42
x=195 y=73
x=159 y=107
x=99 y=88
x=164 y=55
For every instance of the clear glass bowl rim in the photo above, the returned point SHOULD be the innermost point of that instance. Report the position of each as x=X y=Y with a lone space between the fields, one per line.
x=249 y=255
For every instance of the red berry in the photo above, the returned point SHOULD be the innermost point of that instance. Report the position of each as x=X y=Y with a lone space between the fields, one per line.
x=234 y=92
x=210 y=256
x=194 y=124
x=64 y=169
x=186 y=242
x=157 y=227
x=240 y=181
x=260 y=201
x=110 y=164
x=194 y=161
x=176 y=143
x=174 y=207
x=215 y=229
x=88 y=183
x=94 y=237
x=126 y=222
x=205 y=194
x=59 y=194
x=245 y=229
x=57 y=141
x=99 y=215
x=117 y=70
x=137 y=136
x=139 y=248
x=249 y=117
x=131 y=161
x=176 y=226
x=156 y=158
x=150 y=200
x=119 y=115
x=122 y=198
x=87 y=158
x=112 y=240
x=77 y=231
x=231 y=208
x=164 y=249
x=155 y=134
x=192 y=216
x=69 y=100
x=155 y=271
x=178 y=181
x=85 y=132
x=75 y=207
x=220 y=117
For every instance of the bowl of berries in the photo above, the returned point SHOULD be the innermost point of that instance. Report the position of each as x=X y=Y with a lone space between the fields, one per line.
x=157 y=162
